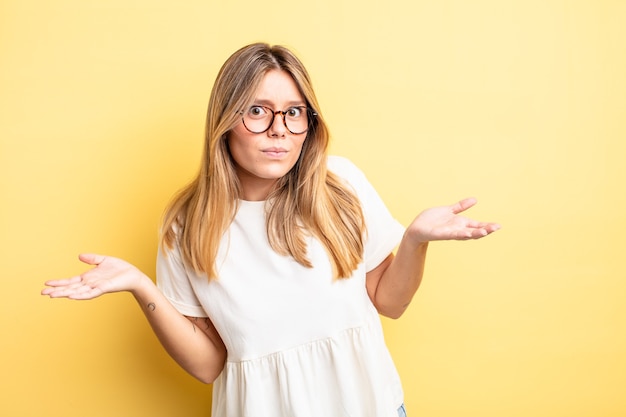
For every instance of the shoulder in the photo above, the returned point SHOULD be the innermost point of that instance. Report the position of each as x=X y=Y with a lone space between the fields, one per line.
x=344 y=168
x=352 y=177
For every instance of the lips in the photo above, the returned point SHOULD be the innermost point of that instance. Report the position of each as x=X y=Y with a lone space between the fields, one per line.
x=274 y=151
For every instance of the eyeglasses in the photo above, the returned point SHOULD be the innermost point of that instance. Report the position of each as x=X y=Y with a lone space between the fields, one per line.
x=258 y=119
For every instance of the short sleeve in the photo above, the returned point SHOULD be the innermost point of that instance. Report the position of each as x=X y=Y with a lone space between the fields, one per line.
x=384 y=232
x=175 y=283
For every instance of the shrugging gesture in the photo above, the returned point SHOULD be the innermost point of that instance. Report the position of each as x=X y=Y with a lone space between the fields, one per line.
x=280 y=316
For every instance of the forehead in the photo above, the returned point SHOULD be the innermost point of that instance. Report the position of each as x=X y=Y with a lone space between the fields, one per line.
x=277 y=87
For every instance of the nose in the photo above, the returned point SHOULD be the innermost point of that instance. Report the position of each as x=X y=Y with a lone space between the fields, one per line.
x=278 y=128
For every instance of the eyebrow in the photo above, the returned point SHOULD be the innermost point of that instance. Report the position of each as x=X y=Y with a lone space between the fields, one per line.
x=269 y=103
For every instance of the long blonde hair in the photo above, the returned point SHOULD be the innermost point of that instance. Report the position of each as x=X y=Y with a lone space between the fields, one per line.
x=308 y=200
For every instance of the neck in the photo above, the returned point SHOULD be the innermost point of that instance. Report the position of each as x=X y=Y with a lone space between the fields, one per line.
x=257 y=190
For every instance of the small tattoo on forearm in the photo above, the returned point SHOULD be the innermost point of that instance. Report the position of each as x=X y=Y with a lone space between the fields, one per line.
x=151 y=306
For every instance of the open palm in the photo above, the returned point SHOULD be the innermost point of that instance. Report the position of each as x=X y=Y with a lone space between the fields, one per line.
x=109 y=275
x=445 y=223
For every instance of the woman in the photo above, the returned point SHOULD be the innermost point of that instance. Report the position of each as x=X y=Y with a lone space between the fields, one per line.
x=276 y=261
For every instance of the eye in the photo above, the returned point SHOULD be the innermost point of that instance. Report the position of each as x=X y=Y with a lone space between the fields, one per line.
x=294 y=112
x=257 y=111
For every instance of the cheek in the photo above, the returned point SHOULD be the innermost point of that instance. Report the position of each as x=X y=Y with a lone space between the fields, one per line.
x=240 y=148
x=305 y=145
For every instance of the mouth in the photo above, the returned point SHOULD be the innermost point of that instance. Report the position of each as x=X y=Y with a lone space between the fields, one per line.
x=274 y=152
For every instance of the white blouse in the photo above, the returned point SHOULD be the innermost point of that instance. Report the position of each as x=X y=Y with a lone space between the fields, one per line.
x=299 y=342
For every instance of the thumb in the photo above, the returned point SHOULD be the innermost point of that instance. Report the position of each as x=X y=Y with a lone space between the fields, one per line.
x=91 y=258
x=463 y=205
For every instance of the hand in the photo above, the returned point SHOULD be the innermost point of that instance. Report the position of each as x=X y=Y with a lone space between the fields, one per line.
x=444 y=223
x=109 y=275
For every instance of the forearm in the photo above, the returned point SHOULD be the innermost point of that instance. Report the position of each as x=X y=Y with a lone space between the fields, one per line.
x=194 y=350
x=401 y=278
x=392 y=284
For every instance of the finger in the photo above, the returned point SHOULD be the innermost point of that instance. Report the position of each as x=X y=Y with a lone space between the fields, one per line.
x=63 y=282
x=50 y=291
x=471 y=234
x=47 y=291
x=91 y=258
x=482 y=225
x=59 y=292
x=483 y=231
x=487 y=227
x=478 y=233
x=463 y=205
x=80 y=290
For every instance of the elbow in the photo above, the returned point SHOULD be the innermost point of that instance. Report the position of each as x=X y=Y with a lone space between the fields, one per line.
x=390 y=307
x=205 y=380
x=394 y=315
x=209 y=369
x=392 y=311
x=207 y=372
x=206 y=377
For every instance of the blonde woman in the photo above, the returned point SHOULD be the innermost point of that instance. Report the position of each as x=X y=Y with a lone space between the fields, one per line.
x=276 y=261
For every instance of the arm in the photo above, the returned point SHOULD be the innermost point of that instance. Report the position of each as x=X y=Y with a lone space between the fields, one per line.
x=392 y=284
x=192 y=342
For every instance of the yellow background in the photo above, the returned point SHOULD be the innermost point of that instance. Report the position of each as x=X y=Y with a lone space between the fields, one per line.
x=519 y=103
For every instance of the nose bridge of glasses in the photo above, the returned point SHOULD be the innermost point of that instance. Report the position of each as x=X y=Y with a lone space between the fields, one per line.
x=273 y=118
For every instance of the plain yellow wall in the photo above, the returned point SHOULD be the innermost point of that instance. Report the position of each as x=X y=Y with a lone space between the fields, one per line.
x=519 y=103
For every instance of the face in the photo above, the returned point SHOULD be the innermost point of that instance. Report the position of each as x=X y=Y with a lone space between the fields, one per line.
x=262 y=158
